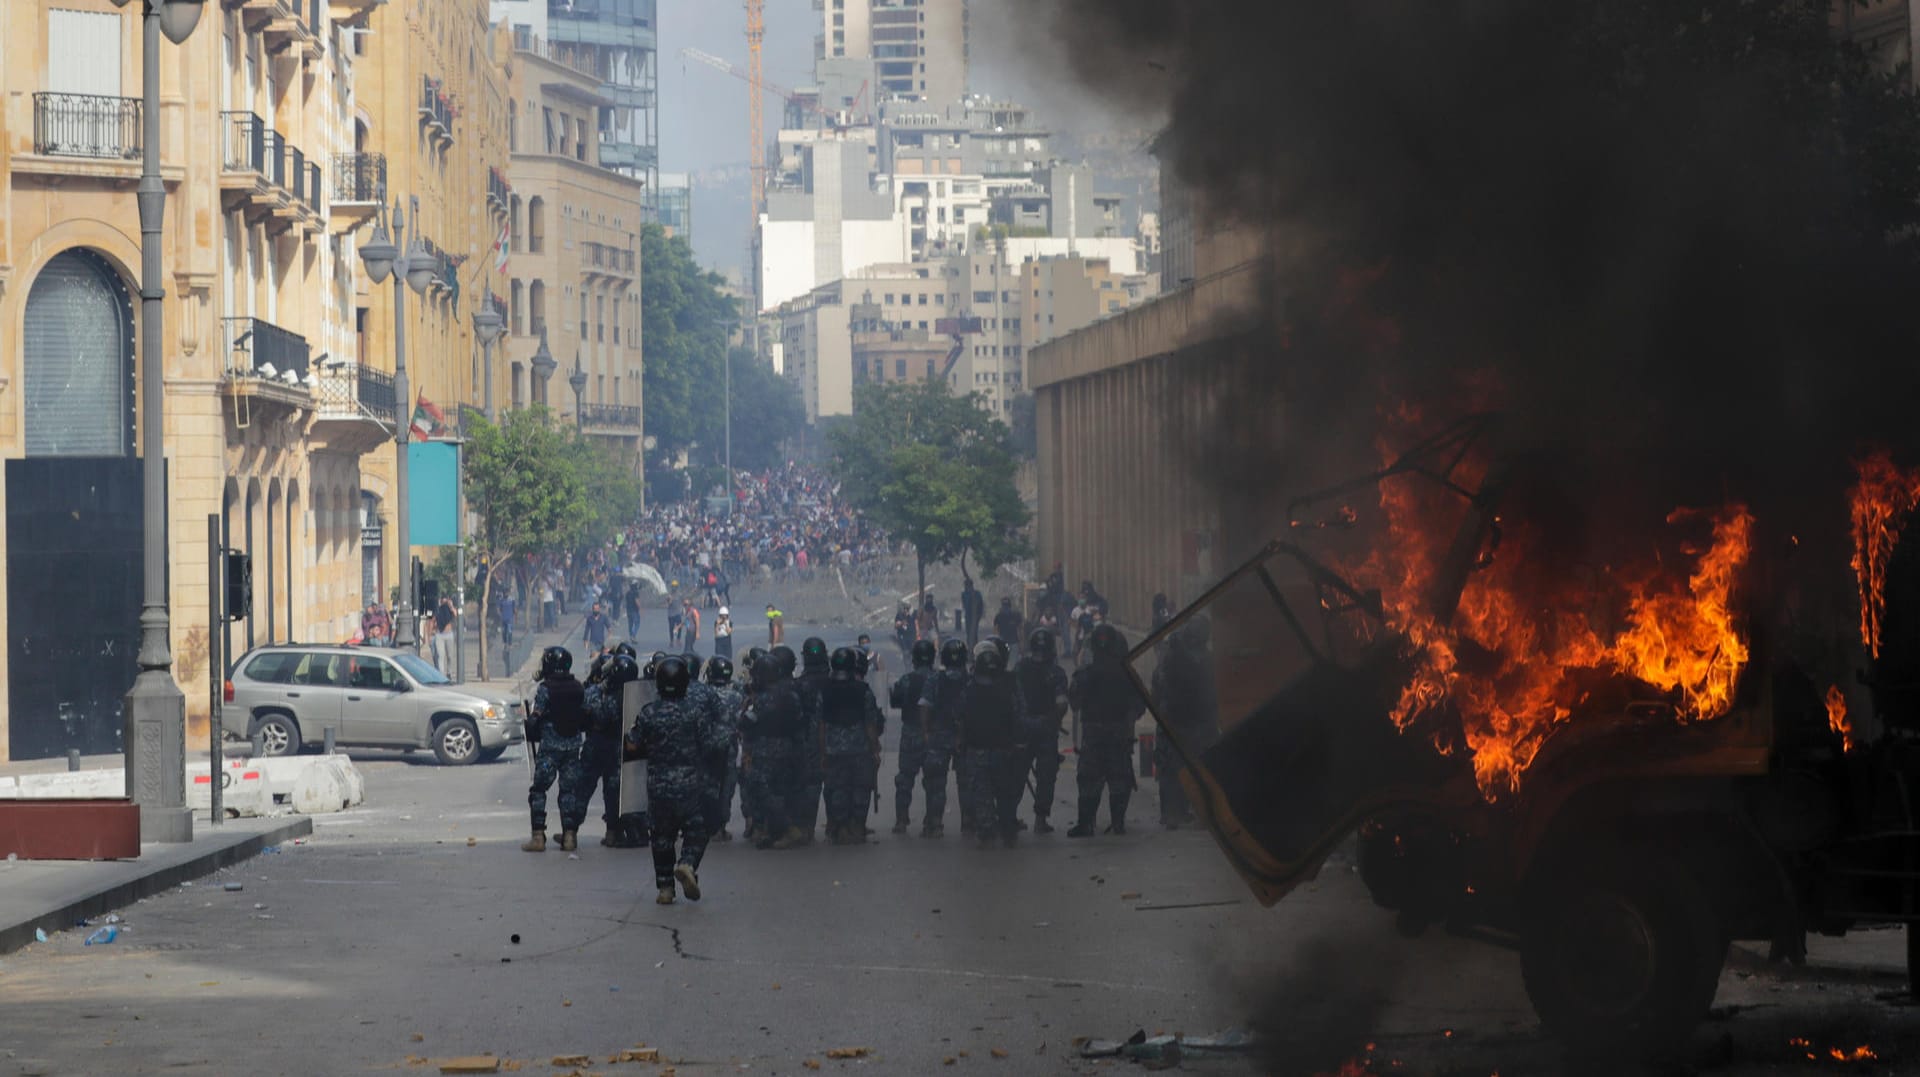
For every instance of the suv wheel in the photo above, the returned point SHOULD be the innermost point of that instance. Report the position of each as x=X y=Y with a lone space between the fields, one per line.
x=278 y=735
x=1622 y=956
x=456 y=741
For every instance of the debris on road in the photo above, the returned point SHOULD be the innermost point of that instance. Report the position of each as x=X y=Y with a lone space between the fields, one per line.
x=850 y=1052
x=234 y=888
x=642 y=1053
x=1163 y=1052
x=1187 y=905
x=471 y=1064
x=1130 y=895
x=39 y=934
x=565 y=1061
x=103 y=936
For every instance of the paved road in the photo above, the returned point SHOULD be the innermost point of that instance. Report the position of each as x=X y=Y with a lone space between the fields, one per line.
x=386 y=940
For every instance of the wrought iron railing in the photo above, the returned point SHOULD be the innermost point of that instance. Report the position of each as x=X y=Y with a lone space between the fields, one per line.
x=86 y=125
x=626 y=416
x=260 y=349
x=435 y=111
x=360 y=178
x=245 y=144
x=377 y=393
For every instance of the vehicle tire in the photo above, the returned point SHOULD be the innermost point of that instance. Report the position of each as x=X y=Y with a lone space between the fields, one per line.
x=278 y=735
x=1622 y=955
x=488 y=755
x=456 y=742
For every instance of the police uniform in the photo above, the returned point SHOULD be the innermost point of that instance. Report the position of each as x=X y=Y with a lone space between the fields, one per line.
x=941 y=698
x=849 y=736
x=1043 y=691
x=804 y=810
x=770 y=732
x=1188 y=701
x=680 y=739
x=726 y=776
x=905 y=698
x=992 y=727
x=600 y=760
x=559 y=712
x=1109 y=704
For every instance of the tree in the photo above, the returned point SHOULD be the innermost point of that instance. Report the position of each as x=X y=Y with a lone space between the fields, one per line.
x=528 y=487
x=933 y=469
x=767 y=413
x=683 y=319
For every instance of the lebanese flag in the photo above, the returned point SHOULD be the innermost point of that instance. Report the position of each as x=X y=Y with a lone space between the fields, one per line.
x=427 y=420
x=502 y=245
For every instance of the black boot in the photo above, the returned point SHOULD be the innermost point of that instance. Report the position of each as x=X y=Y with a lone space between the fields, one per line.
x=1118 y=806
x=1089 y=806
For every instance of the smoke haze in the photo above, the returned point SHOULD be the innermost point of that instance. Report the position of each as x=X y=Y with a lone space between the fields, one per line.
x=1652 y=223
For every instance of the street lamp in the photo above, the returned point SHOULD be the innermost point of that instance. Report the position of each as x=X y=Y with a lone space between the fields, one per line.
x=416 y=269
x=578 y=379
x=543 y=365
x=726 y=364
x=155 y=714
x=487 y=327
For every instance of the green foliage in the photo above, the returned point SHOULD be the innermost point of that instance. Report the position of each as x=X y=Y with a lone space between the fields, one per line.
x=767 y=413
x=933 y=469
x=528 y=484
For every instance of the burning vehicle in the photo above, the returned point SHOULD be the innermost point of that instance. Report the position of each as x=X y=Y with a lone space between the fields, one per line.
x=1617 y=769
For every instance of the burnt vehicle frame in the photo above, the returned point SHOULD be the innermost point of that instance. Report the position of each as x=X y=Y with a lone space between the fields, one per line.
x=1636 y=847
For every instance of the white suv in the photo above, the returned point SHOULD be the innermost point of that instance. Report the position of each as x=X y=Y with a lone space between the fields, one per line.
x=286 y=696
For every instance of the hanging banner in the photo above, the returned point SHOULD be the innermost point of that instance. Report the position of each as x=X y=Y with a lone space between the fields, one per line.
x=433 y=493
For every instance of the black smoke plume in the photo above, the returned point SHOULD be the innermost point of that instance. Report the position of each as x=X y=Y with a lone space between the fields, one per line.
x=1674 y=240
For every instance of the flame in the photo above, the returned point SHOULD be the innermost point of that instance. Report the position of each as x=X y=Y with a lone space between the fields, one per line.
x=1521 y=626
x=1881 y=500
x=1837 y=718
x=1862 y=1053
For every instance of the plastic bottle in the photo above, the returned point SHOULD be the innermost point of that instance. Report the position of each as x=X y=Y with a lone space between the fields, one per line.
x=104 y=935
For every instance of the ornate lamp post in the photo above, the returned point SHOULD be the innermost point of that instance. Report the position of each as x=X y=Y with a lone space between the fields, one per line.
x=487 y=328
x=578 y=379
x=543 y=365
x=416 y=269
x=155 y=722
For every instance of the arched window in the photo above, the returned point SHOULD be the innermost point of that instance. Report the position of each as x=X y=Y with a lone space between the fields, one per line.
x=516 y=296
x=514 y=239
x=79 y=359
x=537 y=308
x=536 y=224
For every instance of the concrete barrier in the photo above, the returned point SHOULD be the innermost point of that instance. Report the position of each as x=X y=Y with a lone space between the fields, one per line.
x=9 y=789
x=244 y=794
x=73 y=785
x=321 y=787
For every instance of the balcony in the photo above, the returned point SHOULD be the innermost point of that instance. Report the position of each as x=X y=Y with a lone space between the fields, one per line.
x=447 y=281
x=267 y=176
x=602 y=260
x=286 y=26
x=266 y=366
x=356 y=408
x=85 y=125
x=359 y=189
x=436 y=112
x=498 y=190
x=622 y=419
x=352 y=13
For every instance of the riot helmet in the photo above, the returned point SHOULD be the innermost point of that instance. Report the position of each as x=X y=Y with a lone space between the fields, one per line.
x=953 y=654
x=555 y=661
x=842 y=663
x=766 y=671
x=989 y=661
x=625 y=647
x=1107 y=642
x=673 y=677
x=784 y=659
x=754 y=655
x=620 y=671
x=924 y=653
x=1006 y=652
x=862 y=662
x=1042 y=645
x=693 y=664
x=719 y=672
x=813 y=654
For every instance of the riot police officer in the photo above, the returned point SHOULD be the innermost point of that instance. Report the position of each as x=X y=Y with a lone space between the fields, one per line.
x=940 y=729
x=600 y=759
x=557 y=728
x=1043 y=691
x=771 y=730
x=849 y=746
x=680 y=737
x=992 y=718
x=1109 y=704
x=813 y=678
x=719 y=677
x=750 y=816
x=905 y=698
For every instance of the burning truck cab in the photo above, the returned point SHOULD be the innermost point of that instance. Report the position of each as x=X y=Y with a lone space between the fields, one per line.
x=1617 y=773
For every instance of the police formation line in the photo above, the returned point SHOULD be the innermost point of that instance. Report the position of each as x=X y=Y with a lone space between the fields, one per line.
x=789 y=743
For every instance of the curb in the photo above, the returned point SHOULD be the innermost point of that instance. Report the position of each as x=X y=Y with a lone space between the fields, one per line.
x=120 y=894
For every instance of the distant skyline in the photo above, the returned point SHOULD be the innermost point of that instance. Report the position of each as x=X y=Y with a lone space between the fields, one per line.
x=703 y=112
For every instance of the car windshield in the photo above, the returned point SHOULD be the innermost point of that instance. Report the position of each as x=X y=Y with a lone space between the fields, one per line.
x=421 y=670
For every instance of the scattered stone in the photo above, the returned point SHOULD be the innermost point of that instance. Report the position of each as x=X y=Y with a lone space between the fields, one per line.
x=471 y=843
x=811 y=1063
x=638 y=1054
x=471 y=1064
x=850 y=1052
x=1130 y=895
x=418 y=1038
x=571 y=1061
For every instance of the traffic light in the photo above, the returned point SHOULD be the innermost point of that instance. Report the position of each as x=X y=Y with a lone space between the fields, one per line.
x=239 y=585
x=429 y=595
x=416 y=582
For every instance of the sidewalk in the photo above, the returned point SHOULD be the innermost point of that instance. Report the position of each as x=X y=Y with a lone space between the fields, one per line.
x=52 y=895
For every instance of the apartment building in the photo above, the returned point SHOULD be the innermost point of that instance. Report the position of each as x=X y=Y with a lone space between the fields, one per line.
x=255 y=107
x=573 y=289
x=917 y=48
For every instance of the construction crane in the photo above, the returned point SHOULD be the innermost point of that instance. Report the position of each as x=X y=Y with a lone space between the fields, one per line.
x=756 y=107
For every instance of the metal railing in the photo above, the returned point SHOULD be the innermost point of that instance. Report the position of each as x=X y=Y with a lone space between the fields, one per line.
x=87 y=125
x=245 y=148
x=354 y=391
x=626 y=416
x=360 y=178
x=434 y=109
x=611 y=258
x=498 y=189
x=254 y=345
